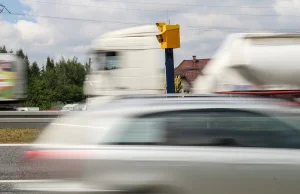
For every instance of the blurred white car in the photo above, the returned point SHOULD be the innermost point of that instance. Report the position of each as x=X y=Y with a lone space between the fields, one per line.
x=169 y=144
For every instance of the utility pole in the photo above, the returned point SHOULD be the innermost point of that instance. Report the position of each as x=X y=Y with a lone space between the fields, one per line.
x=169 y=64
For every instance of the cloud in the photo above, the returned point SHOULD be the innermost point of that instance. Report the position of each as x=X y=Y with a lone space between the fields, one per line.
x=202 y=27
x=34 y=33
x=288 y=14
x=210 y=20
x=287 y=7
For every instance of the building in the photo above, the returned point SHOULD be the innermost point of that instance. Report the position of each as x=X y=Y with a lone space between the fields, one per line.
x=189 y=70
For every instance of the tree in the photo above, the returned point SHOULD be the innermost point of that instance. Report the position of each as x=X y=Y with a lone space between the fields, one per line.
x=20 y=53
x=49 y=64
x=43 y=69
x=27 y=64
x=178 y=84
x=35 y=70
x=70 y=76
x=87 y=68
x=3 y=49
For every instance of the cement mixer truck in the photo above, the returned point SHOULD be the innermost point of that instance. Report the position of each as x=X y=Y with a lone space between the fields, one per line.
x=256 y=63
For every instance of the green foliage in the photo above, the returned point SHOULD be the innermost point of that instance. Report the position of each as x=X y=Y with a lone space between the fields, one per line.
x=35 y=71
x=3 y=49
x=49 y=64
x=55 y=84
x=58 y=83
x=178 y=84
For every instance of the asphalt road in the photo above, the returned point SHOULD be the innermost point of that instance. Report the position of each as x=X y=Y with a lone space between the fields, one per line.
x=9 y=157
x=8 y=165
x=8 y=161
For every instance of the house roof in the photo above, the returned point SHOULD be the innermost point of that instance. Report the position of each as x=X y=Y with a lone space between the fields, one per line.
x=189 y=70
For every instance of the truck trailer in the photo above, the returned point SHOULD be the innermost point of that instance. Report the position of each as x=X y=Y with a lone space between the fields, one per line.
x=13 y=81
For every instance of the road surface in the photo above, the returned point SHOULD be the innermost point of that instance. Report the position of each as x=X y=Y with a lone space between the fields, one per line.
x=8 y=163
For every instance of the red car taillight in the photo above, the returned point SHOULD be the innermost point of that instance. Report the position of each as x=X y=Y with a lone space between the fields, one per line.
x=51 y=164
x=56 y=154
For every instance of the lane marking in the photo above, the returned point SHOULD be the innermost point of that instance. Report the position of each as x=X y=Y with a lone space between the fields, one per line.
x=71 y=125
x=16 y=145
x=28 y=181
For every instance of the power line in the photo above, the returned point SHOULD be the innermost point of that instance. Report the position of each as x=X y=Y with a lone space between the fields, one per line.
x=2 y=8
x=169 y=11
x=93 y=6
x=77 y=19
x=189 y=5
x=210 y=28
x=166 y=4
x=198 y=27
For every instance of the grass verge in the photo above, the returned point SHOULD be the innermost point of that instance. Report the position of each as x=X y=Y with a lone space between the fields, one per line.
x=11 y=135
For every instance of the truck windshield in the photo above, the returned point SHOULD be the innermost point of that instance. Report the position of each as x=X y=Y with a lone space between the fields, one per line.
x=106 y=61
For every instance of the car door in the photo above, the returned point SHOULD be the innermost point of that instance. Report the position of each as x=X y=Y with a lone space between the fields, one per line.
x=207 y=150
x=236 y=151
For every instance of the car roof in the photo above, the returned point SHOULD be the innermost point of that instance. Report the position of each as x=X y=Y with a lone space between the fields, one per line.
x=138 y=103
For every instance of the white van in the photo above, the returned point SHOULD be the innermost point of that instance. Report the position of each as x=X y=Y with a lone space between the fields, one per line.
x=28 y=109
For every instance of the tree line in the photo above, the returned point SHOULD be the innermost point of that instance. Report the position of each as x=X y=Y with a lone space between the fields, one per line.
x=53 y=84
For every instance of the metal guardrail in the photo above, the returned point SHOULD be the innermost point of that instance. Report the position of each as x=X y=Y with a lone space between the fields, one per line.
x=27 y=119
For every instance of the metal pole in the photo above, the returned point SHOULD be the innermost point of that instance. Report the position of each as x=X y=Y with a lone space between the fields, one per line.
x=169 y=70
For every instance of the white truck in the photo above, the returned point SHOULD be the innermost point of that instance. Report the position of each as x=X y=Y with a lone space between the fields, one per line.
x=28 y=109
x=256 y=63
x=126 y=61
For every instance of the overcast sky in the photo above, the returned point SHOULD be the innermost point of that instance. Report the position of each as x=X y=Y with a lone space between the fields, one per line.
x=204 y=24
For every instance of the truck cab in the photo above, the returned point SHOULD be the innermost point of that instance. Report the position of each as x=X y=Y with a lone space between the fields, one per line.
x=126 y=61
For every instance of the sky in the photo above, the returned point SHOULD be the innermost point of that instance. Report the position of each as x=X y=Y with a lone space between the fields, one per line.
x=66 y=28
